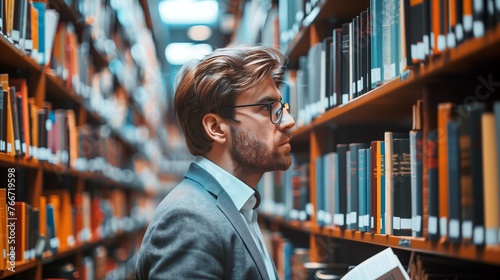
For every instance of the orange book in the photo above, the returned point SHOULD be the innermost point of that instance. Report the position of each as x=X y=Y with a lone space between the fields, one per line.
x=34 y=29
x=43 y=216
x=78 y=223
x=73 y=138
x=4 y=79
x=63 y=215
x=444 y=115
x=97 y=216
x=60 y=50
x=33 y=111
x=467 y=17
x=490 y=167
x=22 y=94
x=86 y=233
x=439 y=23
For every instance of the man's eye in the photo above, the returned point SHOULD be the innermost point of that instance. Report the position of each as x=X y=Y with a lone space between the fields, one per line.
x=266 y=107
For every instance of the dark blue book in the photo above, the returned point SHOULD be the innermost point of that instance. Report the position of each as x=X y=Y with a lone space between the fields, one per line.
x=362 y=190
x=376 y=67
x=454 y=196
x=401 y=188
x=474 y=122
x=353 y=192
x=339 y=218
x=320 y=191
x=51 y=229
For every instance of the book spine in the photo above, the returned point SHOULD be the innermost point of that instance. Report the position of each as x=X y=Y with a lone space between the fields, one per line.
x=416 y=181
x=453 y=176
x=433 y=179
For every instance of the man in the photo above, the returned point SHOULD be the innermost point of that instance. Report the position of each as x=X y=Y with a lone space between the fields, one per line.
x=235 y=123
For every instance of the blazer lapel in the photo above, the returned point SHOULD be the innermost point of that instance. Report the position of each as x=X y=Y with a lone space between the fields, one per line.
x=227 y=207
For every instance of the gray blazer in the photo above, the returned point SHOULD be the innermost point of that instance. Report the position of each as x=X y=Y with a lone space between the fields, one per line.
x=198 y=233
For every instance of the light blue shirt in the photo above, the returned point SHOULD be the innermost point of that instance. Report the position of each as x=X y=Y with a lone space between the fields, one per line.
x=244 y=200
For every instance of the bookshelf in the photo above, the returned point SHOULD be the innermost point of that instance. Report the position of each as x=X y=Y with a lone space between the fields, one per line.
x=453 y=74
x=87 y=177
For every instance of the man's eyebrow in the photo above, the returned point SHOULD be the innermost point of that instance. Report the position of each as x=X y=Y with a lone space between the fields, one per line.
x=267 y=99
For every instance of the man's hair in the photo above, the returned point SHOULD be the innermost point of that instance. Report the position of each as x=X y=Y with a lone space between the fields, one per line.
x=214 y=82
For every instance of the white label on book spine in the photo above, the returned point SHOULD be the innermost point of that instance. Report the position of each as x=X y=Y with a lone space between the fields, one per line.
x=17 y=144
x=375 y=75
x=478 y=28
x=396 y=222
x=454 y=228
x=433 y=225
x=15 y=34
x=405 y=223
x=54 y=242
x=23 y=147
x=327 y=218
x=459 y=32
x=338 y=219
x=491 y=236
x=416 y=223
x=443 y=222
x=467 y=229
x=9 y=147
x=478 y=235
x=451 y=40
x=71 y=240
x=389 y=71
x=441 y=42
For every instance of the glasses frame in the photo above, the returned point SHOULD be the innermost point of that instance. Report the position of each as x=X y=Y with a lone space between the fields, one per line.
x=270 y=107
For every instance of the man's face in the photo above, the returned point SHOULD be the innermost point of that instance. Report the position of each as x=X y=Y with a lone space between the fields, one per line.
x=258 y=145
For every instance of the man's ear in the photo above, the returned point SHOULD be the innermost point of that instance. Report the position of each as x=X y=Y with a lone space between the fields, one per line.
x=215 y=127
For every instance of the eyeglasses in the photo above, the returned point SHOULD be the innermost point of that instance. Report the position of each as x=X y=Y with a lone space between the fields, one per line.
x=275 y=109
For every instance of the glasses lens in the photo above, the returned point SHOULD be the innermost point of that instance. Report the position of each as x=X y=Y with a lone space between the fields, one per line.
x=276 y=112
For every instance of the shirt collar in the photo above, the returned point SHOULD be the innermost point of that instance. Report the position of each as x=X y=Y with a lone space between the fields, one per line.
x=240 y=193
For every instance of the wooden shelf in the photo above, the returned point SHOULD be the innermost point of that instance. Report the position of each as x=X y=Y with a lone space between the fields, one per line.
x=391 y=102
x=20 y=267
x=14 y=57
x=474 y=253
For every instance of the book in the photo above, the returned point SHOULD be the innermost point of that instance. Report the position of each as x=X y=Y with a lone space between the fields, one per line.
x=389 y=137
x=3 y=120
x=490 y=175
x=416 y=161
x=444 y=114
x=432 y=184
x=383 y=265
x=339 y=218
x=376 y=64
x=453 y=175
x=401 y=193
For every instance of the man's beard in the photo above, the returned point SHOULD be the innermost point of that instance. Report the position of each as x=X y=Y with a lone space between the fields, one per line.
x=252 y=155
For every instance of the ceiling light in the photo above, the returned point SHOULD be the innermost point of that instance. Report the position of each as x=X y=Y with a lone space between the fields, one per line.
x=199 y=32
x=180 y=53
x=183 y=12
